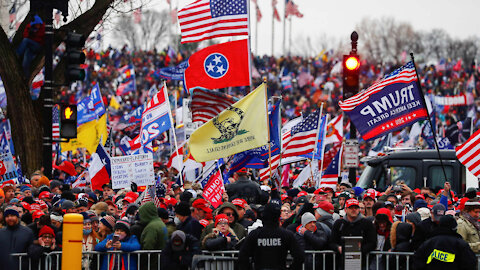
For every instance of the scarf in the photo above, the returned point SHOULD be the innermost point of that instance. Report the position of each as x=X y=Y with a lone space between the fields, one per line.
x=472 y=220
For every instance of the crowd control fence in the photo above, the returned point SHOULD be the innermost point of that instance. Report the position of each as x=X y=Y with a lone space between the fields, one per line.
x=224 y=260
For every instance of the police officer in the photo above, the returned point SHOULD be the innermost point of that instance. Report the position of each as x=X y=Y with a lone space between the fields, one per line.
x=445 y=250
x=268 y=245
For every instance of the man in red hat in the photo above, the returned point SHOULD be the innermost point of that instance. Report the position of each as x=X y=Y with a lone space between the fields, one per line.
x=242 y=205
x=200 y=209
x=353 y=224
x=369 y=200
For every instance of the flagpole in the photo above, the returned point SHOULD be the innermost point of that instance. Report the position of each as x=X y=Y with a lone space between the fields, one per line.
x=268 y=132
x=256 y=29
x=284 y=28
x=273 y=25
x=323 y=151
x=249 y=48
x=419 y=85
x=290 y=36
x=173 y=131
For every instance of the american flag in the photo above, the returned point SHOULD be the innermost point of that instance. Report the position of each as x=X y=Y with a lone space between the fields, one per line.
x=404 y=74
x=291 y=9
x=265 y=173
x=469 y=153
x=151 y=196
x=303 y=136
x=276 y=15
x=207 y=19
x=330 y=175
x=259 y=13
x=207 y=104
x=55 y=123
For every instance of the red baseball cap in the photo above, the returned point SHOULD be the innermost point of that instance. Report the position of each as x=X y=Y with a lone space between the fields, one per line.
x=129 y=199
x=320 y=191
x=37 y=214
x=44 y=195
x=240 y=202
x=302 y=193
x=370 y=195
x=34 y=206
x=26 y=205
x=220 y=218
x=419 y=196
x=284 y=197
x=325 y=206
x=351 y=202
x=204 y=222
x=201 y=204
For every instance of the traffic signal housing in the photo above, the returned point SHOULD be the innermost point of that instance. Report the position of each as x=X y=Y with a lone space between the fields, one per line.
x=68 y=121
x=75 y=57
x=351 y=74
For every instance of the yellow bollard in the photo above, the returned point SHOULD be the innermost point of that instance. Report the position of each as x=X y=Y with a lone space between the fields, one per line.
x=72 y=242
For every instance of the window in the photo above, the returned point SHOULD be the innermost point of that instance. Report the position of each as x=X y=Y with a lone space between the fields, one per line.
x=435 y=173
x=407 y=174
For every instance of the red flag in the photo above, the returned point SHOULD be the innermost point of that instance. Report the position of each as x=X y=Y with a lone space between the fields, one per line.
x=218 y=66
x=137 y=16
x=214 y=189
x=259 y=13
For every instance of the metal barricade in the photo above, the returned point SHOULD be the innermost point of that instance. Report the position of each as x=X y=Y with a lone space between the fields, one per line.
x=383 y=260
x=327 y=262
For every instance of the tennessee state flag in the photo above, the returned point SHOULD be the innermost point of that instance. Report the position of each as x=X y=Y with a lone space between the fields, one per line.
x=218 y=66
x=240 y=127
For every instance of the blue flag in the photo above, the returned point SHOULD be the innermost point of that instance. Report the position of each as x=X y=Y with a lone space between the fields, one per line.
x=172 y=73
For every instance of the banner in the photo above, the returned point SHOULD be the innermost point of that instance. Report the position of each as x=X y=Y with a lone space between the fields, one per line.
x=173 y=73
x=241 y=127
x=8 y=171
x=214 y=189
x=156 y=118
x=388 y=105
x=134 y=168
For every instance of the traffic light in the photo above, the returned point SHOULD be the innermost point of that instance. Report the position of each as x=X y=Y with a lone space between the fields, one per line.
x=75 y=57
x=68 y=121
x=351 y=72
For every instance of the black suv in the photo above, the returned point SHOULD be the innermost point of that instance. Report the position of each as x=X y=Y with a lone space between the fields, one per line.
x=418 y=168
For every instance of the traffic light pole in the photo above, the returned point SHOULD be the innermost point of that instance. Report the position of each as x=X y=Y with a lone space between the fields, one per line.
x=47 y=90
x=352 y=172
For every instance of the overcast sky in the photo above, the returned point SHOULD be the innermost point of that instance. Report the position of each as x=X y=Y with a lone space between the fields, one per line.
x=338 y=18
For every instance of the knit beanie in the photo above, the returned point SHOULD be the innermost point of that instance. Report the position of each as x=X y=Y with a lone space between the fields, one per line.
x=122 y=225
x=108 y=221
x=220 y=218
x=46 y=230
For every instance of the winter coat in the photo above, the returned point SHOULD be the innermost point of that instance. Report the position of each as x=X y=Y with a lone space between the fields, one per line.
x=180 y=260
x=423 y=231
x=129 y=244
x=246 y=189
x=469 y=233
x=317 y=240
x=269 y=246
x=401 y=241
x=37 y=253
x=444 y=250
x=216 y=241
x=154 y=236
x=359 y=227
x=191 y=226
x=16 y=239
x=239 y=230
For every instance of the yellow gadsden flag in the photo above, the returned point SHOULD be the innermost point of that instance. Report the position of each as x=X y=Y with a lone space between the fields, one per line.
x=88 y=136
x=241 y=127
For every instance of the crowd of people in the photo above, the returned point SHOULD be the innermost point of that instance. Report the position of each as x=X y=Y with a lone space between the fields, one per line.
x=264 y=224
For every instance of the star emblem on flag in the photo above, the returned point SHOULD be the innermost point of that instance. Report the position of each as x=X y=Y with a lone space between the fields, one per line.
x=216 y=65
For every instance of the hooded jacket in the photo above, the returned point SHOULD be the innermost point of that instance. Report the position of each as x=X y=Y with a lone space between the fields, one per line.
x=238 y=229
x=469 y=233
x=154 y=236
x=401 y=236
x=129 y=244
x=444 y=250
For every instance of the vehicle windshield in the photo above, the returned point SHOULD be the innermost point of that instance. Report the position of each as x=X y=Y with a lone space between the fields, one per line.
x=365 y=180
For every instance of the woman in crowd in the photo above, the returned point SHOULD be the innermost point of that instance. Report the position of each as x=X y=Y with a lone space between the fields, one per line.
x=222 y=237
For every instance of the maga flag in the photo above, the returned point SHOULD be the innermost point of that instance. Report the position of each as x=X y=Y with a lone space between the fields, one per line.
x=388 y=105
x=241 y=127
x=156 y=118
x=218 y=66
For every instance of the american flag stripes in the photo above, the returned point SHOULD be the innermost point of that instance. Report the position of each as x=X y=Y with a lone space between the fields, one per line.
x=303 y=136
x=207 y=104
x=151 y=196
x=207 y=19
x=405 y=74
x=55 y=122
x=469 y=153
x=291 y=9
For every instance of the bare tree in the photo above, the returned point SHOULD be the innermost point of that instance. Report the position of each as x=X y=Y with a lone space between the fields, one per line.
x=24 y=113
x=150 y=33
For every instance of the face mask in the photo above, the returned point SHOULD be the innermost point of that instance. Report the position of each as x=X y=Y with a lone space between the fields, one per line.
x=121 y=237
x=87 y=232
x=177 y=221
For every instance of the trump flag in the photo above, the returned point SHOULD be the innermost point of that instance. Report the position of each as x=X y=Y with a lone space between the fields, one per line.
x=218 y=66
x=388 y=105
x=156 y=118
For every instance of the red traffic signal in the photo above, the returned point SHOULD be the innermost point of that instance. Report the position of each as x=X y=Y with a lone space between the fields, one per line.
x=352 y=63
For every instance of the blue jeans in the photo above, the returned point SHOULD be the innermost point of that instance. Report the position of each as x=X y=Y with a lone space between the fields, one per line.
x=28 y=49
